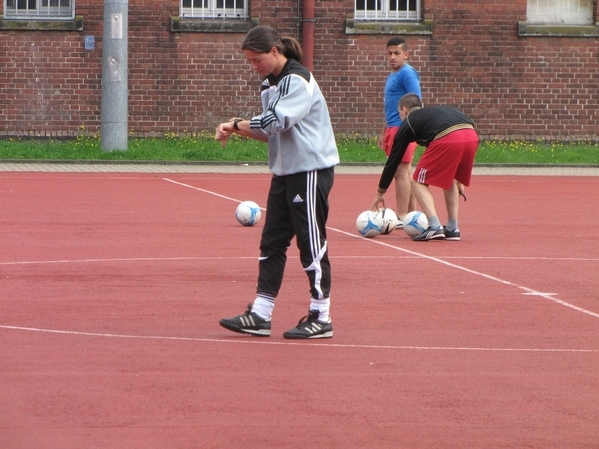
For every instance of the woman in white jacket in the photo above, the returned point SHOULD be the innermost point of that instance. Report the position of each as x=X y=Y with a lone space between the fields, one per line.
x=302 y=154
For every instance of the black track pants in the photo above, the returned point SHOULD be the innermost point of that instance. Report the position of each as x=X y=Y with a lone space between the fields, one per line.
x=297 y=206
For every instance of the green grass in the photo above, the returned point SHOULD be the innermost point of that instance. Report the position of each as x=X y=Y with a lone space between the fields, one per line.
x=202 y=148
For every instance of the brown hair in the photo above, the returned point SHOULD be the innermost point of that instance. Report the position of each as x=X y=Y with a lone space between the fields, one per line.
x=262 y=38
x=410 y=101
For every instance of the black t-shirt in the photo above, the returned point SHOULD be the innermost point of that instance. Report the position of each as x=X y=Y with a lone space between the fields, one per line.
x=421 y=125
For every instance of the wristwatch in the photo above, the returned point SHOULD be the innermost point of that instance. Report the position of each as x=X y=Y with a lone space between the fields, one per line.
x=235 y=122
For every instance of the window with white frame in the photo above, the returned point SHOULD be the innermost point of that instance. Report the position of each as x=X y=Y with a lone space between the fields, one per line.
x=387 y=10
x=39 y=9
x=559 y=12
x=214 y=9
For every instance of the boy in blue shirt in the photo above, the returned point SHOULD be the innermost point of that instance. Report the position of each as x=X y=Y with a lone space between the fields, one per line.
x=402 y=80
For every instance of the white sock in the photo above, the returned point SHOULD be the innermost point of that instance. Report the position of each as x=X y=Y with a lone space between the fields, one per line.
x=323 y=306
x=263 y=307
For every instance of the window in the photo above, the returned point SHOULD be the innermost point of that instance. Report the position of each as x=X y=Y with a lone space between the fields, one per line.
x=396 y=10
x=214 y=9
x=39 y=9
x=559 y=18
x=559 y=12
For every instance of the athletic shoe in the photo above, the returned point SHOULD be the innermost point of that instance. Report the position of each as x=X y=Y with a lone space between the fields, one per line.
x=248 y=323
x=399 y=224
x=310 y=327
x=430 y=234
x=452 y=235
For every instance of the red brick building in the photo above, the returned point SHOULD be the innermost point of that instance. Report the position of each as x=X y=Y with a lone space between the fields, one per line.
x=522 y=69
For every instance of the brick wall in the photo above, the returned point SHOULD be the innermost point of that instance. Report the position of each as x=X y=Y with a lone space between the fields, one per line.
x=513 y=87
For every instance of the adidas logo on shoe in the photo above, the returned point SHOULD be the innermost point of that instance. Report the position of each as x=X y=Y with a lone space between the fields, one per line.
x=310 y=327
x=430 y=234
x=298 y=199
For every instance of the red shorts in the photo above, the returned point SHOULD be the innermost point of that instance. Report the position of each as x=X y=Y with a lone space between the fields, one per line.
x=388 y=144
x=448 y=158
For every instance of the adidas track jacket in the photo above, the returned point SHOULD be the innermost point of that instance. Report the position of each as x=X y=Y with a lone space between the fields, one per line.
x=296 y=121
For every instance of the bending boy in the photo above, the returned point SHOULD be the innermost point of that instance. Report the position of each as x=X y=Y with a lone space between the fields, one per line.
x=451 y=144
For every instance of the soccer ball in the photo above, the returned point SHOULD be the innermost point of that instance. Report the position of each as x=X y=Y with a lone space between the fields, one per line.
x=369 y=224
x=390 y=220
x=248 y=213
x=415 y=223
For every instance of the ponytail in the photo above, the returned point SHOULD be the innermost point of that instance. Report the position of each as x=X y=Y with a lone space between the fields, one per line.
x=261 y=39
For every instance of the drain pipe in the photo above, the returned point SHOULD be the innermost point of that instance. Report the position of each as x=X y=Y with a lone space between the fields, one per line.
x=308 y=25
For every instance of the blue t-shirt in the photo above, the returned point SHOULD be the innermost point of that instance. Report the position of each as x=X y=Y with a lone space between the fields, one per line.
x=405 y=81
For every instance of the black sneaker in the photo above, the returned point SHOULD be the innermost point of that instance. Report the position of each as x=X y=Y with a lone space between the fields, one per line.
x=452 y=235
x=310 y=327
x=430 y=234
x=248 y=323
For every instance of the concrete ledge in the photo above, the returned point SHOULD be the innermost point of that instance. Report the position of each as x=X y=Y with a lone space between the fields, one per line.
x=179 y=25
x=42 y=25
x=424 y=27
x=531 y=30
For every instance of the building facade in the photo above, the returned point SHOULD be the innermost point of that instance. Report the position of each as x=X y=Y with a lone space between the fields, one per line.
x=522 y=69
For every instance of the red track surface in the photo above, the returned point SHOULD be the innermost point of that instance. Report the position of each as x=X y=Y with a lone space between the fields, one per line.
x=112 y=287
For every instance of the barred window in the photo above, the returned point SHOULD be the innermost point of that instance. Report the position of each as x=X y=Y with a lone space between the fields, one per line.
x=559 y=12
x=39 y=9
x=387 y=10
x=214 y=9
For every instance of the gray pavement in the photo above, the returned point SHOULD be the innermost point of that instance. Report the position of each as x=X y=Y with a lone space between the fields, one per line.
x=98 y=167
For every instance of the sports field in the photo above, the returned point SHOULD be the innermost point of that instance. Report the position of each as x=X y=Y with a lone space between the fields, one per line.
x=113 y=280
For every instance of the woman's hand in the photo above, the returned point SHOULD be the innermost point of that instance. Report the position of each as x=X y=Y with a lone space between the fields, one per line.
x=223 y=132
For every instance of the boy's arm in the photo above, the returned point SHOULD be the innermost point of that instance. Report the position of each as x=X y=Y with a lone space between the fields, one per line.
x=412 y=83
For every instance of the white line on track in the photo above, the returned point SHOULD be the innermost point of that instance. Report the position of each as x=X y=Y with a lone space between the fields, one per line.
x=131 y=259
x=264 y=341
x=525 y=290
x=336 y=257
x=204 y=190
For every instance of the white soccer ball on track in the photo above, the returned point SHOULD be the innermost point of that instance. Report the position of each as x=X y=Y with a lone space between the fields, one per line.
x=390 y=220
x=415 y=223
x=369 y=224
x=248 y=213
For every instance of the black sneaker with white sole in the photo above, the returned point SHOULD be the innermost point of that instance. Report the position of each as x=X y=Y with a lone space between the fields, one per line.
x=248 y=323
x=430 y=234
x=310 y=327
x=452 y=235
